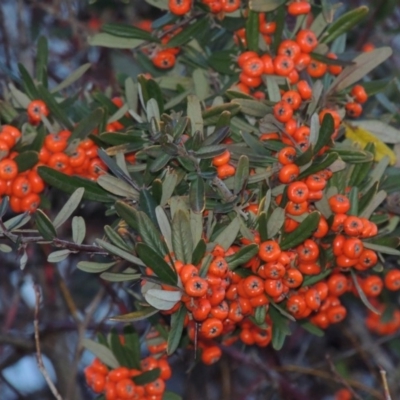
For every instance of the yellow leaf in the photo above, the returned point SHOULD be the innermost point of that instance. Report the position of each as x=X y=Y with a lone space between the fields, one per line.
x=363 y=137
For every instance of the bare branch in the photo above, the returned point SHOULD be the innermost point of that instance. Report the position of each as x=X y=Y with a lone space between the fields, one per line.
x=39 y=358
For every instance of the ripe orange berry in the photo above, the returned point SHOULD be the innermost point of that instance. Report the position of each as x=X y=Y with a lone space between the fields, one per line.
x=211 y=328
x=164 y=59
x=8 y=169
x=392 y=280
x=288 y=173
x=339 y=204
x=222 y=159
x=306 y=40
x=299 y=7
x=36 y=109
x=179 y=7
x=210 y=355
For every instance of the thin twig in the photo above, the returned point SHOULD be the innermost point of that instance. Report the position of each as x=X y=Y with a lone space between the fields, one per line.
x=327 y=376
x=385 y=384
x=39 y=358
x=340 y=378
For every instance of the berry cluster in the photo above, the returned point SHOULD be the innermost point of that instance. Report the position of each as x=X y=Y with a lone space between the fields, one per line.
x=124 y=383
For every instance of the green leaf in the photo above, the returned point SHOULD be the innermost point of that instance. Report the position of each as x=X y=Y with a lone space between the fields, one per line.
x=118 y=350
x=199 y=252
x=175 y=334
x=77 y=74
x=197 y=196
x=182 y=241
x=69 y=184
x=119 y=252
x=325 y=162
x=252 y=31
x=113 y=42
x=246 y=253
x=361 y=293
x=363 y=64
x=135 y=315
x=253 y=108
x=353 y=197
x=311 y=280
x=229 y=234
x=132 y=342
x=58 y=256
x=310 y=327
x=44 y=225
x=265 y=6
x=302 y=232
x=325 y=132
x=29 y=86
x=78 y=229
x=381 y=249
x=371 y=206
x=127 y=31
x=147 y=377
x=171 y=396
x=117 y=187
x=87 y=125
x=120 y=277
x=69 y=207
x=54 y=107
x=241 y=175
x=116 y=238
x=191 y=31
x=102 y=352
x=280 y=328
x=221 y=61
x=157 y=264
x=26 y=160
x=94 y=267
x=41 y=60
x=275 y=222
x=262 y=226
x=345 y=23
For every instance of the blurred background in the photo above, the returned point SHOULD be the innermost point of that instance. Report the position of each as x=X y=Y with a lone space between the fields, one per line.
x=76 y=304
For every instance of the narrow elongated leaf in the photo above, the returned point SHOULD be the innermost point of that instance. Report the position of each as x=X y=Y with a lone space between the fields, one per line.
x=325 y=132
x=44 y=225
x=147 y=377
x=241 y=257
x=26 y=160
x=135 y=315
x=41 y=60
x=120 y=277
x=54 y=107
x=241 y=175
x=197 y=196
x=69 y=184
x=78 y=73
x=381 y=249
x=165 y=226
x=114 y=42
x=345 y=23
x=275 y=222
x=265 y=6
x=119 y=252
x=175 y=334
x=154 y=261
x=117 y=186
x=280 y=328
x=87 y=125
x=78 y=229
x=302 y=232
x=361 y=293
x=29 y=86
x=191 y=31
x=102 y=352
x=252 y=30
x=363 y=64
x=126 y=31
x=69 y=207
x=182 y=241
x=94 y=267
x=229 y=234
x=58 y=256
